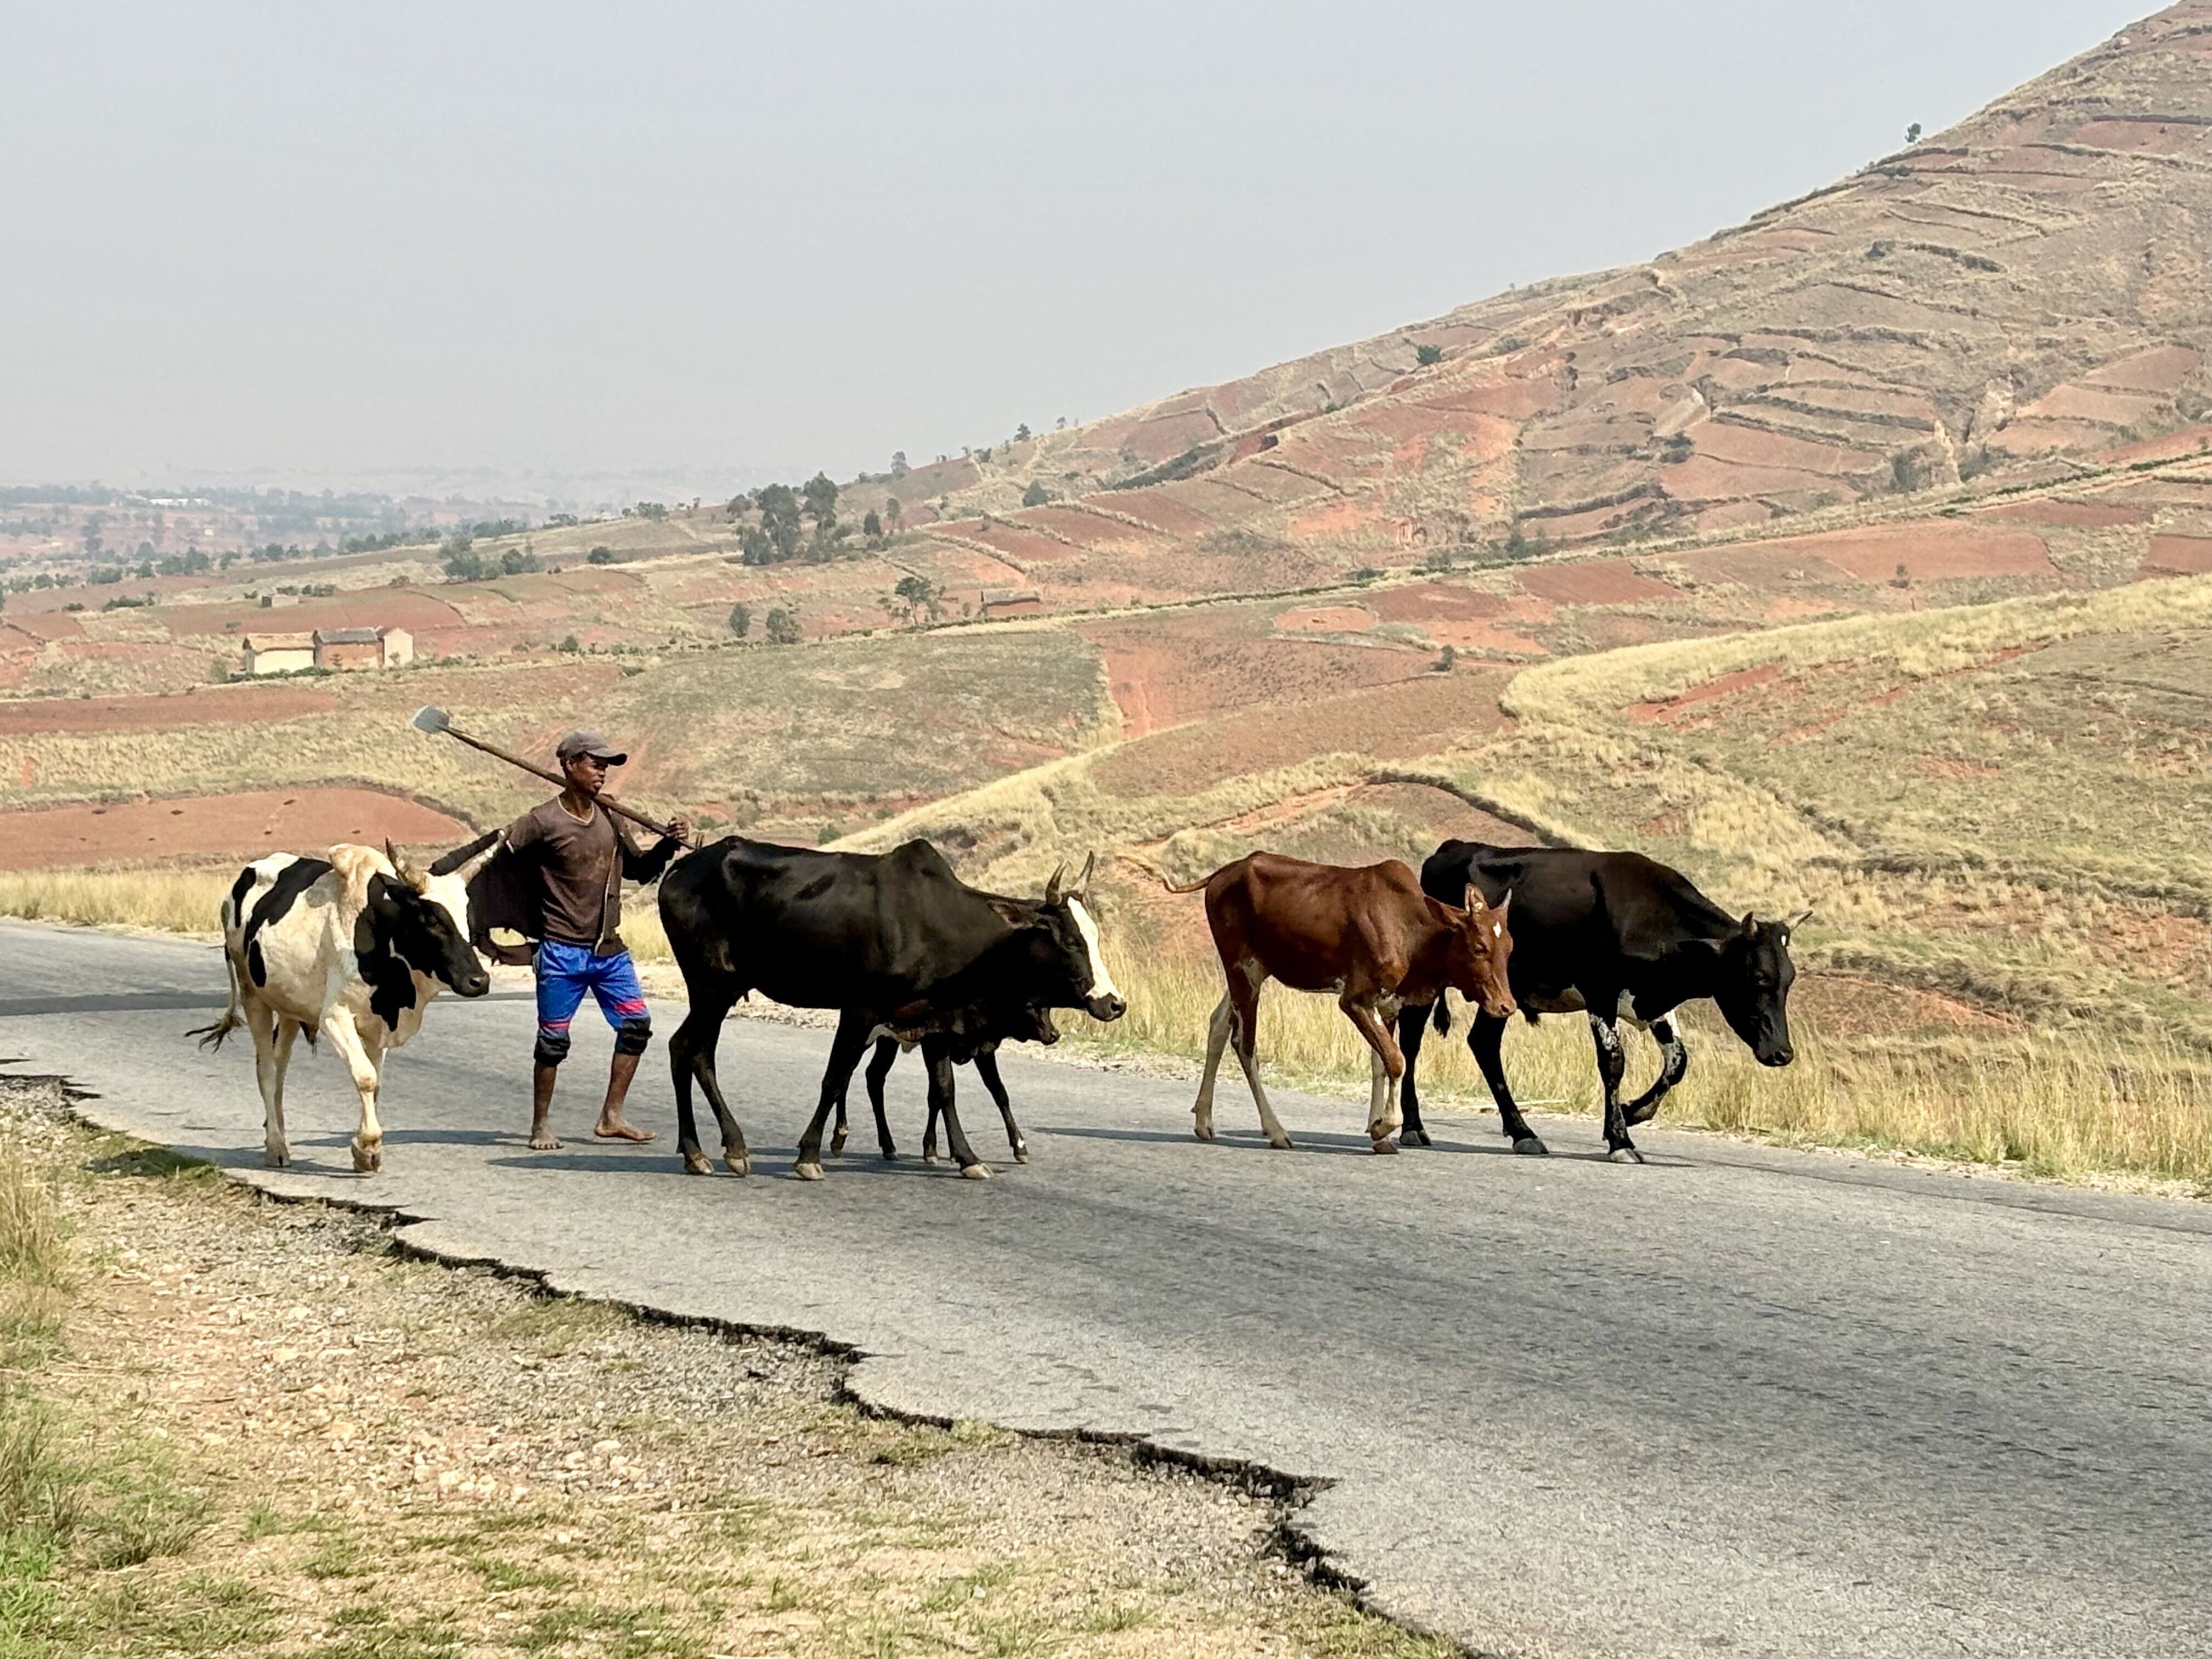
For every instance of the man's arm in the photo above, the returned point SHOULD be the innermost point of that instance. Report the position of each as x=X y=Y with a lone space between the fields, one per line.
x=639 y=865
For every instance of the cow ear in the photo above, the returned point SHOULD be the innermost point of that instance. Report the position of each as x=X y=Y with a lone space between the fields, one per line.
x=1012 y=912
x=1474 y=904
x=1052 y=889
x=1750 y=924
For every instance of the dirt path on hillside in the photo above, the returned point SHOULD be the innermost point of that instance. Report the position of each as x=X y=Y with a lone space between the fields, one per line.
x=252 y=1426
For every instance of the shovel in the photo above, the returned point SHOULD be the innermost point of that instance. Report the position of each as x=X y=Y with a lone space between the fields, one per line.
x=433 y=719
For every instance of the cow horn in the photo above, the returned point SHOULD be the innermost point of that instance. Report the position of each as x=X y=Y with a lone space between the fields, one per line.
x=1052 y=887
x=1798 y=921
x=1083 y=881
x=400 y=866
x=1750 y=923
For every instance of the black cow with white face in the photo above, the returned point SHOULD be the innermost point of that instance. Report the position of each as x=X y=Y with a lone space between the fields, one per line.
x=353 y=946
x=1617 y=936
x=896 y=942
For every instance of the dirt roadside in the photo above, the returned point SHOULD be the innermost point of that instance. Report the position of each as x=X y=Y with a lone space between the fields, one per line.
x=229 y=1425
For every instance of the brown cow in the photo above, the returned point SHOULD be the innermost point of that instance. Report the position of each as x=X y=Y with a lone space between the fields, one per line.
x=1369 y=934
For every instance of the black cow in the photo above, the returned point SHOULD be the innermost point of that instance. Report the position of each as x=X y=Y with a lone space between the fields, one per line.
x=894 y=941
x=1618 y=936
x=973 y=1037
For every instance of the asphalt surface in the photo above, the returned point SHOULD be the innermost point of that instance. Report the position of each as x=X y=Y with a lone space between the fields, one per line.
x=1737 y=1399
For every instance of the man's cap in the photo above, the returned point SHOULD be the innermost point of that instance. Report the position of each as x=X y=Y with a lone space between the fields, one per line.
x=588 y=742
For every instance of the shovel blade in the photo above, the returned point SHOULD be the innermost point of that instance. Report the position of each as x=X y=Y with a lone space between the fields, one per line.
x=429 y=719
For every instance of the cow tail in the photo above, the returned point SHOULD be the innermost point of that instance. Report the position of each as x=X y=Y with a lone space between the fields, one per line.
x=212 y=1036
x=1161 y=875
x=1441 y=1017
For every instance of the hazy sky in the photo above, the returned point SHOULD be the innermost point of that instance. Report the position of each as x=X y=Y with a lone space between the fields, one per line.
x=578 y=246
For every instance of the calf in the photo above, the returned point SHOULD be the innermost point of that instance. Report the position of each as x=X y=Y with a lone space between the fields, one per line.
x=1616 y=936
x=974 y=1037
x=894 y=941
x=352 y=947
x=1371 y=935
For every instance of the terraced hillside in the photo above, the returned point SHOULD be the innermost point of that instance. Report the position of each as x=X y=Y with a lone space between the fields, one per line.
x=2028 y=286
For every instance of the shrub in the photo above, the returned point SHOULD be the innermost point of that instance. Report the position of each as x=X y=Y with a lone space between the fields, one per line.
x=1427 y=355
x=783 y=627
x=741 y=619
x=600 y=555
x=1036 y=494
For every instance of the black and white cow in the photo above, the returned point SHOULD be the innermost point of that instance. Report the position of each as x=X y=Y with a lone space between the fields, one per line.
x=896 y=942
x=971 y=1036
x=352 y=947
x=1617 y=936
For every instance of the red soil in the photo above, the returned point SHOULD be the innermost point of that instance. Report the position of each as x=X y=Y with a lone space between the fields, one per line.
x=2086 y=515
x=213 y=706
x=2161 y=368
x=2178 y=555
x=1601 y=581
x=1674 y=708
x=1416 y=717
x=242 y=825
x=1326 y=619
x=1929 y=551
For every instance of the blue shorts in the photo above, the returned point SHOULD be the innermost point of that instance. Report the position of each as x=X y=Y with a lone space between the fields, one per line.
x=566 y=971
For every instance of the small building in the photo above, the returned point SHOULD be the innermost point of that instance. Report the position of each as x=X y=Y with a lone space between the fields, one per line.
x=1025 y=602
x=363 y=648
x=329 y=649
x=279 y=653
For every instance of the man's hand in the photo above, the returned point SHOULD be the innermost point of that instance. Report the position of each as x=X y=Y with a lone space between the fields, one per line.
x=679 y=829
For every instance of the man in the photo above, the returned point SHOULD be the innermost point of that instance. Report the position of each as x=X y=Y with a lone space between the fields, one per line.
x=574 y=856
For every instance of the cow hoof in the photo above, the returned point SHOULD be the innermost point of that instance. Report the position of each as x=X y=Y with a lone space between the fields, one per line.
x=276 y=1157
x=890 y=1155
x=806 y=1171
x=930 y=1158
x=1529 y=1146
x=696 y=1163
x=1203 y=1131
x=1282 y=1146
x=1623 y=1155
x=1385 y=1145
x=837 y=1143
x=368 y=1160
x=1021 y=1154
x=1416 y=1138
x=975 y=1171
x=738 y=1164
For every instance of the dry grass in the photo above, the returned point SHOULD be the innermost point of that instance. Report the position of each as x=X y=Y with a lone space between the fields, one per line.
x=173 y=901
x=2067 y=1106
x=270 y=1435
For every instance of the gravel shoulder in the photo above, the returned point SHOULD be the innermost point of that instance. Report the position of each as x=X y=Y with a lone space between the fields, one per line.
x=245 y=1425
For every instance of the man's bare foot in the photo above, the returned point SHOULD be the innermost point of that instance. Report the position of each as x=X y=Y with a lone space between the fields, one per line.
x=542 y=1139
x=617 y=1129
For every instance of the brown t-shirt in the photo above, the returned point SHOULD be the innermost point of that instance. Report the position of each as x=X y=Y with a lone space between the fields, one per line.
x=581 y=864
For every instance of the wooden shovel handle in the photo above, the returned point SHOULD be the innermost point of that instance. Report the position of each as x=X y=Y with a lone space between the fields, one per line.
x=555 y=779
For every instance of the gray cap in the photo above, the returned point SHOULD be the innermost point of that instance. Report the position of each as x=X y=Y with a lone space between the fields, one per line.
x=588 y=742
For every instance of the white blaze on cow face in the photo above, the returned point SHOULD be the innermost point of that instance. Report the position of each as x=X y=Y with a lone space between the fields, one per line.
x=1101 y=982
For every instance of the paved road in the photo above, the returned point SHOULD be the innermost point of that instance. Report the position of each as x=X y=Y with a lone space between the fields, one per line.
x=1738 y=1399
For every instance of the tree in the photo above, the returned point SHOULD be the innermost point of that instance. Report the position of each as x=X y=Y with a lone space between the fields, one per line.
x=570 y=644
x=871 y=526
x=821 y=506
x=891 y=511
x=741 y=619
x=778 y=524
x=1036 y=494
x=516 y=560
x=783 y=627
x=898 y=464
x=1022 y=432
x=600 y=555
x=913 y=595
x=1913 y=133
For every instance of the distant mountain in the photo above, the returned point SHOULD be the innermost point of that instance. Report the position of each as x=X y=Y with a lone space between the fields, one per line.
x=2025 y=289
